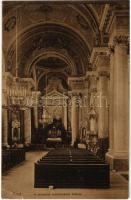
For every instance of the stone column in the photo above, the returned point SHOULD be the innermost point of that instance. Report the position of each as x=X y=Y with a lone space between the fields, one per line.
x=100 y=59
x=115 y=22
x=103 y=127
x=92 y=106
x=74 y=119
x=35 y=108
x=93 y=128
x=4 y=126
x=65 y=117
x=27 y=126
x=118 y=157
x=4 y=111
x=35 y=111
x=111 y=102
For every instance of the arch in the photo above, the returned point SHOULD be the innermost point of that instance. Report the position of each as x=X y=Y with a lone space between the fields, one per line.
x=44 y=53
x=65 y=32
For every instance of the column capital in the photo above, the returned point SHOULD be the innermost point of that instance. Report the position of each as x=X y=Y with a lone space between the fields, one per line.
x=5 y=107
x=36 y=93
x=75 y=94
x=104 y=73
x=76 y=83
x=121 y=40
x=111 y=49
x=93 y=83
x=26 y=108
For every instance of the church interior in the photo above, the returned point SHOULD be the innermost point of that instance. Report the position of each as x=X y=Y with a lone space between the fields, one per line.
x=65 y=99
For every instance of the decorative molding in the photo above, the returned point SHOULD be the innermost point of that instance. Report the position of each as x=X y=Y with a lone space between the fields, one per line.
x=105 y=17
x=121 y=39
x=36 y=93
x=74 y=78
x=62 y=54
x=4 y=107
x=104 y=73
x=93 y=90
x=111 y=49
x=109 y=14
x=98 y=51
x=90 y=73
x=10 y=24
x=82 y=22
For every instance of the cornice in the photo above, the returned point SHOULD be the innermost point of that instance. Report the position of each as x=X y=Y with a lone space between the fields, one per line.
x=121 y=39
x=104 y=73
x=105 y=17
x=4 y=107
x=36 y=93
x=109 y=14
x=97 y=51
x=73 y=78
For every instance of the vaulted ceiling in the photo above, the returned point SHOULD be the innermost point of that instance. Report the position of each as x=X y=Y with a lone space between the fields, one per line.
x=42 y=38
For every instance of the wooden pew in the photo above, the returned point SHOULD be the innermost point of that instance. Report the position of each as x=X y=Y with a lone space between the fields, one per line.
x=71 y=168
x=11 y=157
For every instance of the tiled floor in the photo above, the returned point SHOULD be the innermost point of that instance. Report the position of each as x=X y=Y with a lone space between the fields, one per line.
x=18 y=183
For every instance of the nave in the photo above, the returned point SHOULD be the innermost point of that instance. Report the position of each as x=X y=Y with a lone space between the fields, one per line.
x=22 y=177
x=65 y=83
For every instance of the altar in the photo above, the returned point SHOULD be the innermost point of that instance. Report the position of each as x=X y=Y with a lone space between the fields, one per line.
x=55 y=134
x=54 y=142
x=53 y=120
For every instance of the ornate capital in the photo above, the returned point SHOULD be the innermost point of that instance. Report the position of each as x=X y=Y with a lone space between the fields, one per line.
x=93 y=90
x=4 y=107
x=104 y=73
x=121 y=39
x=111 y=49
x=75 y=94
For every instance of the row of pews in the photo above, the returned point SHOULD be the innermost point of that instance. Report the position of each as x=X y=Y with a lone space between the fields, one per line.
x=12 y=157
x=71 y=168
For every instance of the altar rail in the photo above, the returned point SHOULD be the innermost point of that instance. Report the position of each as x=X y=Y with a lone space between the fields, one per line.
x=12 y=157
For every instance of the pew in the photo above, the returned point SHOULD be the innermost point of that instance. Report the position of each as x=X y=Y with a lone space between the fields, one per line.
x=12 y=157
x=71 y=168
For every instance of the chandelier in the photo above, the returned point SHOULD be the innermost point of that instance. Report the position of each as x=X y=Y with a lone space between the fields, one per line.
x=18 y=92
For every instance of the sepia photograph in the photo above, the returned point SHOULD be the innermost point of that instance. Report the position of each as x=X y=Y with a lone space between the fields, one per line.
x=65 y=99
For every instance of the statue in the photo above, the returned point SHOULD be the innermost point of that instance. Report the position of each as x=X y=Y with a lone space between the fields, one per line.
x=15 y=129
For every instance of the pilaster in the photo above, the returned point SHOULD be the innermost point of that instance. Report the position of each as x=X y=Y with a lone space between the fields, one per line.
x=36 y=95
x=27 y=126
x=118 y=30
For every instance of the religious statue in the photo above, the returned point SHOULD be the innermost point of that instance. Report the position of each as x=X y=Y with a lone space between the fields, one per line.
x=15 y=130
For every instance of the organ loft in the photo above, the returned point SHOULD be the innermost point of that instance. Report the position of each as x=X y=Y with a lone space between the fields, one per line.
x=65 y=97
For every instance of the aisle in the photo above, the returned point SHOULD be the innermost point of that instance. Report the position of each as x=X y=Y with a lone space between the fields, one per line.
x=18 y=183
